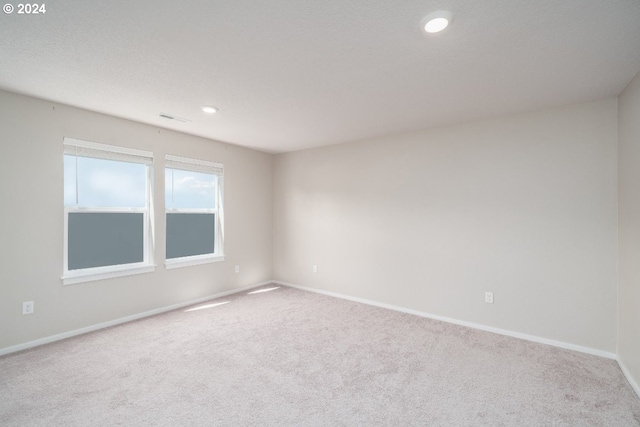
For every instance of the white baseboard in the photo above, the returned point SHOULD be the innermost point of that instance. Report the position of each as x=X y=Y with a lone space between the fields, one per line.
x=64 y=335
x=506 y=332
x=533 y=338
x=630 y=378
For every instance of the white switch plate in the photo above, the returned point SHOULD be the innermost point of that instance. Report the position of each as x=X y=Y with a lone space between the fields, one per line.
x=488 y=297
x=315 y=268
x=237 y=269
x=27 y=307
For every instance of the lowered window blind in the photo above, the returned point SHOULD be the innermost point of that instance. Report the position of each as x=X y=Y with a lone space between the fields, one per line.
x=104 y=239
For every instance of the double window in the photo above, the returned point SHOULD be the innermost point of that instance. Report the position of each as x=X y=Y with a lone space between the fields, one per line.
x=108 y=211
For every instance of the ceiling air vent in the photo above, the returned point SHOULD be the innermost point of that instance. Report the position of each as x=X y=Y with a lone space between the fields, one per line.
x=170 y=117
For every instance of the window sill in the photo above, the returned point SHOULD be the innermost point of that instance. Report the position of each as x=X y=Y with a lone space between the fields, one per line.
x=101 y=273
x=192 y=260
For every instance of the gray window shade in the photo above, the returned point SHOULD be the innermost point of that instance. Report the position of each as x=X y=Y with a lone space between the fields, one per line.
x=99 y=239
x=190 y=234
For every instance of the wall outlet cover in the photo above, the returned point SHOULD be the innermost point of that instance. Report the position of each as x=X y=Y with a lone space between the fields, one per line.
x=27 y=307
x=488 y=297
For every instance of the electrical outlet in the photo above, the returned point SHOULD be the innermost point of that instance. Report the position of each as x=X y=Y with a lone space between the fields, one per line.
x=237 y=269
x=27 y=307
x=315 y=268
x=488 y=297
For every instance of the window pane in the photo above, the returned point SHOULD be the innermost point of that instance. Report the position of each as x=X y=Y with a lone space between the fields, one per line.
x=101 y=239
x=189 y=190
x=69 y=180
x=190 y=234
x=110 y=183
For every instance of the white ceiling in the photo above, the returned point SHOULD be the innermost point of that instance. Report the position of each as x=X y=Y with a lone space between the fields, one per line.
x=294 y=74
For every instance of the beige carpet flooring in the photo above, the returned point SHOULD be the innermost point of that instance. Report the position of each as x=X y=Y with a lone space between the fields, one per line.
x=293 y=358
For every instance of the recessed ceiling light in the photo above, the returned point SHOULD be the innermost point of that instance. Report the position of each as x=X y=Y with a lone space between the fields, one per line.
x=437 y=21
x=209 y=109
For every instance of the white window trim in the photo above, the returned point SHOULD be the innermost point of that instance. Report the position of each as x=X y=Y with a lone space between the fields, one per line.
x=70 y=277
x=188 y=261
x=109 y=272
x=213 y=168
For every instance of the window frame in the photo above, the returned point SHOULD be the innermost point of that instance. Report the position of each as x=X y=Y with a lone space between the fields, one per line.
x=116 y=153
x=201 y=166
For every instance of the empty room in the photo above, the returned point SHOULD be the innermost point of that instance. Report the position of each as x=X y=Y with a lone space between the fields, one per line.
x=312 y=213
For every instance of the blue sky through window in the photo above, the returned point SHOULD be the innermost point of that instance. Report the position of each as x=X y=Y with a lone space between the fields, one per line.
x=104 y=183
x=189 y=190
x=111 y=183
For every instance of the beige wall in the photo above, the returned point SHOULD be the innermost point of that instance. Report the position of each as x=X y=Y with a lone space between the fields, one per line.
x=31 y=226
x=524 y=206
x=629 y=234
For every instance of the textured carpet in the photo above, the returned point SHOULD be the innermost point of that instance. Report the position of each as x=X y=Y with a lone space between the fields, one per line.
x=290 y=357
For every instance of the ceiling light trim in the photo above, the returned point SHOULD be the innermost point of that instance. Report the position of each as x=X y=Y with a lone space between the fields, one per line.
x=437 y=21
x=209 y=109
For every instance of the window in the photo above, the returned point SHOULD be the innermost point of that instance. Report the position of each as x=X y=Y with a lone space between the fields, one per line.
x=107 y=211
x=194 y=215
